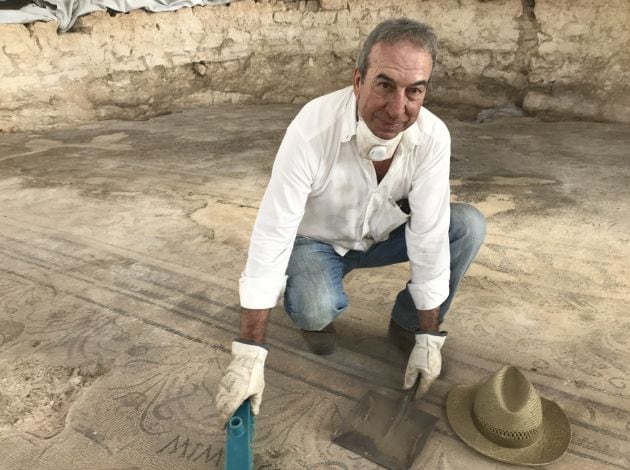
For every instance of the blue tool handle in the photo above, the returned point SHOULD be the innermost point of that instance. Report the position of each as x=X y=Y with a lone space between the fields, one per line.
x=239 y=437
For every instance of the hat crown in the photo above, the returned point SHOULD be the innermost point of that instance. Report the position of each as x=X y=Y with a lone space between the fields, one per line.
x=507 y=410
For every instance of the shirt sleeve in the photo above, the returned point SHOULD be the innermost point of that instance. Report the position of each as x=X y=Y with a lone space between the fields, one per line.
x=281 y=211
x=427 y=229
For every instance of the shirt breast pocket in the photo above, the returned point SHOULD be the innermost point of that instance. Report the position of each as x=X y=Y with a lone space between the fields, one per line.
x=384 y=217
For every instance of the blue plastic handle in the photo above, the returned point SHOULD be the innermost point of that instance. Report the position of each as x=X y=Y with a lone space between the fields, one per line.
x=239 y=437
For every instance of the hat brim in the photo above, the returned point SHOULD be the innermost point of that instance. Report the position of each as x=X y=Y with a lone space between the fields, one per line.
x=553 y=442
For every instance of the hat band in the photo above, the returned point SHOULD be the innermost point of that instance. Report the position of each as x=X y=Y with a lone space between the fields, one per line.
x=505 y=438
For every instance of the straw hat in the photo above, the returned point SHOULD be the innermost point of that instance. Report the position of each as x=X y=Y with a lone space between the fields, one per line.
x=504 y=418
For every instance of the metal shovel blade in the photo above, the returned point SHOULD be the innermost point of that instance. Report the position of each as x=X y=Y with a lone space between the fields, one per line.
x=390 y=432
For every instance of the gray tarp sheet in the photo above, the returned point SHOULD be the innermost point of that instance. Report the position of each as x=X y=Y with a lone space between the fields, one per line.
x=65 y=12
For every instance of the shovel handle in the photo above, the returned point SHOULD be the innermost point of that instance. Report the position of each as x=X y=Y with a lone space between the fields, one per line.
x=409 y=394
x=404 y=405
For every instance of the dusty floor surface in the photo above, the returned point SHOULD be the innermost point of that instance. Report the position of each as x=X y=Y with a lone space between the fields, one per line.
x=121 y=244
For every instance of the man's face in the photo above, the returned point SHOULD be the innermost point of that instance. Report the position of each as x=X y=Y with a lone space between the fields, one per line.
x=393 y=90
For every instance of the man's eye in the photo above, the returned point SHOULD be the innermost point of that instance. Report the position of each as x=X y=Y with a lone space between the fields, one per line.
x=383 y=85
x=415 y=93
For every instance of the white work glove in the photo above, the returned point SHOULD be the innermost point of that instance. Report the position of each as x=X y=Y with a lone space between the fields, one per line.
x=244 y=378
x=425 y=359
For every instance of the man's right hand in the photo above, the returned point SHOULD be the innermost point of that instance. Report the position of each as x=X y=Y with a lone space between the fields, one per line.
x=425 y=360
x=244 y=378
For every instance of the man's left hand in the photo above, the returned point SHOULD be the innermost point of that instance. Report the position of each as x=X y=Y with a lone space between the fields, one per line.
x=425 y=360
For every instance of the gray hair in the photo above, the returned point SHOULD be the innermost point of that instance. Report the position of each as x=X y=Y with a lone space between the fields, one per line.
x=394 y=31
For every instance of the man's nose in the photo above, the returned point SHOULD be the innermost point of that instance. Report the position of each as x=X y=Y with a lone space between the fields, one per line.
x=396 y=104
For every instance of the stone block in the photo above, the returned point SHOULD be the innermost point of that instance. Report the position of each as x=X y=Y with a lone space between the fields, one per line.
x=288 y=16
x=324 y=18
x=231 y=50
x=211 y=40
x=155 y=60
x=121 y=49
x=333 y=4
x=12 y=87
x=129 y=65
x=6 y=66
x=19 y=43
x=239 y=36
x=315 y=38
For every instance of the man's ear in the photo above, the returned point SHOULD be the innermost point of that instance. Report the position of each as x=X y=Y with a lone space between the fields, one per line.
x=356 y=81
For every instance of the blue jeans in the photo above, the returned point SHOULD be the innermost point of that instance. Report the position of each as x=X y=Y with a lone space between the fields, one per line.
x=314 y=296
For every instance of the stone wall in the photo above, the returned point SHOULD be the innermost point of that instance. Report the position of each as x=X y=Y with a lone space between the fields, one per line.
x=581 y=66
x=555 y=58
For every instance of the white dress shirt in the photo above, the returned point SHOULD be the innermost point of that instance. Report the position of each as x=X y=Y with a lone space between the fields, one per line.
x=321 y=188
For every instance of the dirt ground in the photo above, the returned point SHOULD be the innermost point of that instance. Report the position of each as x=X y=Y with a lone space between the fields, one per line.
x=121 y=245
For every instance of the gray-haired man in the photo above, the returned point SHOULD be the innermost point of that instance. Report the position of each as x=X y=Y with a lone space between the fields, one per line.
x=361 y=179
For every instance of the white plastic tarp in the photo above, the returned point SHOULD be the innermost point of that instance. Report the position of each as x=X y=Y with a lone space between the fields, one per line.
x=65 y=12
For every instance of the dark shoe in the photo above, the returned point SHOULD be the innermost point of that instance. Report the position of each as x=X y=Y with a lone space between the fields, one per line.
x=321 y=342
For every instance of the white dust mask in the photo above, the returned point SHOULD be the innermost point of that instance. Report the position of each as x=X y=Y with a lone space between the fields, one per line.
x=373 y=147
